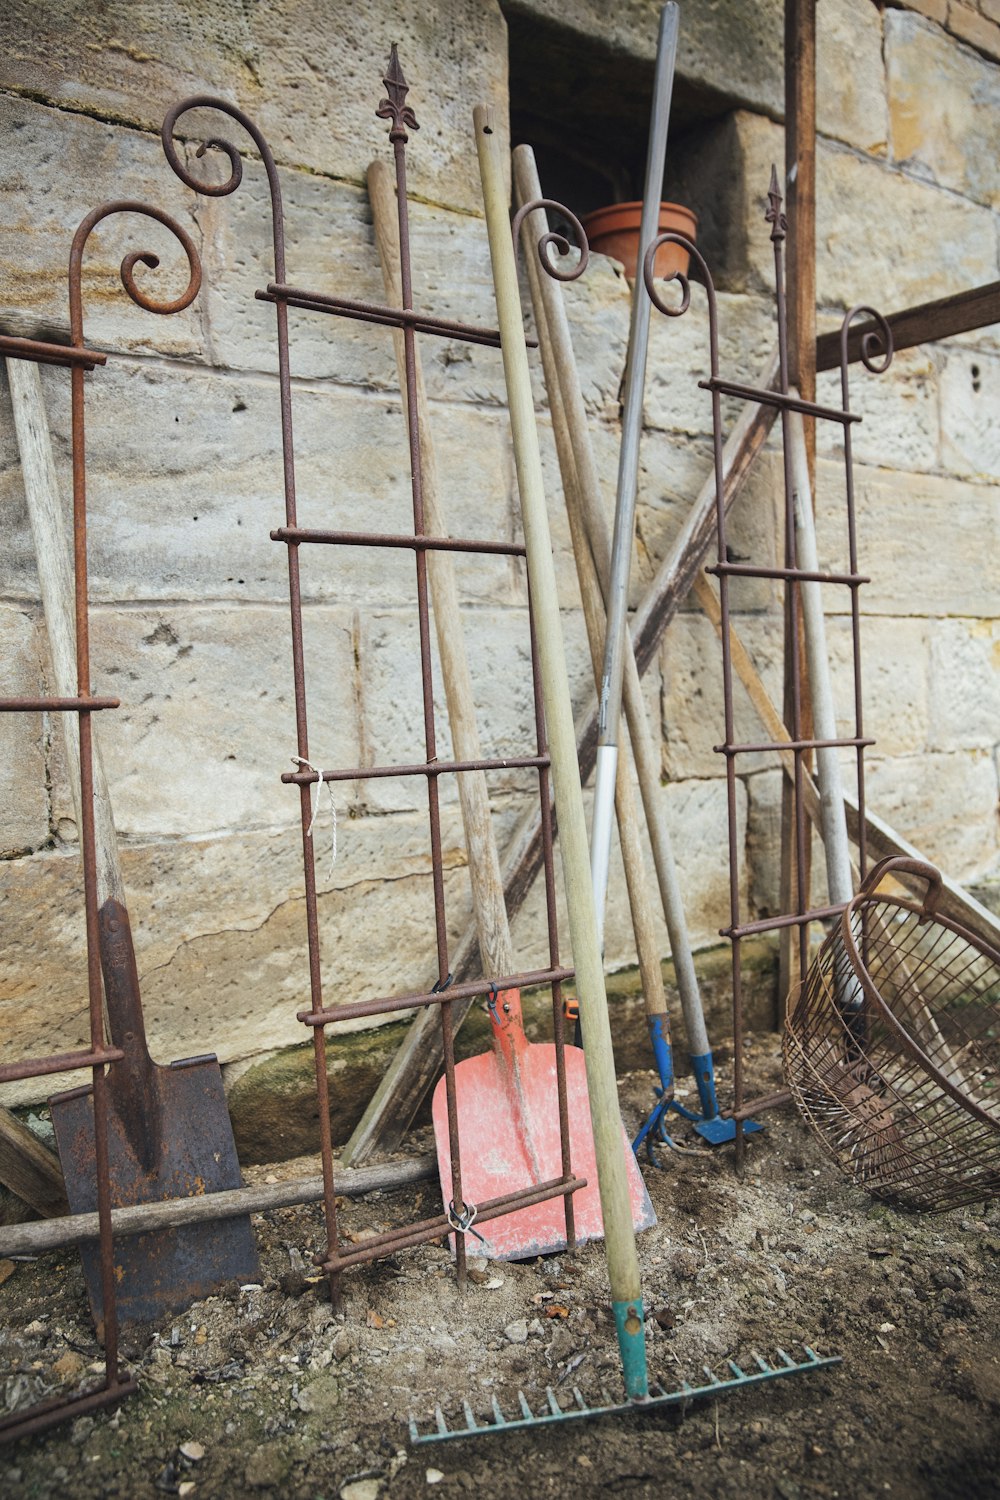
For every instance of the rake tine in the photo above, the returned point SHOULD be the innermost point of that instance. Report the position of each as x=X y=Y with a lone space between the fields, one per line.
x=414 y=1429
x=791 y=1363
x=740 y=1375
x=470 y=1420
x=762 y=1364
x=554 y=1406
x=813 y=1357
x=499 y=1420
x=579 y=1399
x=442 y=1425
x=529 y=1415
x=713 y=1379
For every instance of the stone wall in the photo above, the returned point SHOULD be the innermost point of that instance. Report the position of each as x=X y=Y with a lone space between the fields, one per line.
x=190 y=623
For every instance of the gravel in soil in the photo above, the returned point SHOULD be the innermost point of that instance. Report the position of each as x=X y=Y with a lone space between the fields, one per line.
x=268 y=1390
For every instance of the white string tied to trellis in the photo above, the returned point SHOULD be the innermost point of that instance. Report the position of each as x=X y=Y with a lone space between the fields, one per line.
x=317 y=787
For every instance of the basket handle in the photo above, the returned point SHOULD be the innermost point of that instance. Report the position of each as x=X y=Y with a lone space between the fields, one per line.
x=906 y=866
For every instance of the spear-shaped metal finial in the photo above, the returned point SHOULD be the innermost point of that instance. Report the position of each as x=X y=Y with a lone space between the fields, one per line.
x=774 y=216
x=395 y=108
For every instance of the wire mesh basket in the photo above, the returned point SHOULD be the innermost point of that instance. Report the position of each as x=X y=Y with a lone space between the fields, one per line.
x=892 y=1049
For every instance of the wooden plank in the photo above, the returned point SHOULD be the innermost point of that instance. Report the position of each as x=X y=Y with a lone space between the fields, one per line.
x=963 y=312
x=77 y=1229
x=418 y=1062
x=30 y=1169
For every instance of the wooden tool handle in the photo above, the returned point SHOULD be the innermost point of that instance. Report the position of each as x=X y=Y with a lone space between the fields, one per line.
x=623 y=1262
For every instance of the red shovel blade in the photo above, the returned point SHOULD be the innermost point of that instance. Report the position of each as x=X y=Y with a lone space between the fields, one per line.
x=508 y=1129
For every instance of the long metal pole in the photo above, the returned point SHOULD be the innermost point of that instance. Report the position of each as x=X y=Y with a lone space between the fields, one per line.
x=619 y=1236
x=610 y=695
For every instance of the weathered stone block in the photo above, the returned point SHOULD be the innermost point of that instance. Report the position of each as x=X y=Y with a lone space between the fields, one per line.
x=964 y=685
x=722 y=41
x=679 y=358
x=693 y=714
x=311 y=81
x=970 y=387
x=896 y=694
x=207 y=722
x=956 y=143
x=944 y=804
x=850 y=75
x=900 y=413
x=871 y=224
x=184 y=486
x=223 y=961
x=928 y=543
x=24 y=795
x=972 y=26
x=57 y=168
x=331 y=250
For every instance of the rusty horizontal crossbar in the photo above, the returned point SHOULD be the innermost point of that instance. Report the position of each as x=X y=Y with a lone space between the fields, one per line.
x=407 y=1235
x=376 y=312
x=357 y=1008
x=778 y=399
x=847 y=743
x=41 y=352
x=799 y=575
x=404 y=541
x=59 y=1062
x=418 y=768
x=775 y=924
x=47 y=1414
x=56 y=705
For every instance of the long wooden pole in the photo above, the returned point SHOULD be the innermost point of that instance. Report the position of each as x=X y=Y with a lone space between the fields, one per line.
x=602 y=1089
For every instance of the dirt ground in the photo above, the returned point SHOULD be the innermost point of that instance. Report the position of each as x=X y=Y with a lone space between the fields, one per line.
x=266 y=1390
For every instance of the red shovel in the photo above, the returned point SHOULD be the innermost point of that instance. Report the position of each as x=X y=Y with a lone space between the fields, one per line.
x=508 y=1124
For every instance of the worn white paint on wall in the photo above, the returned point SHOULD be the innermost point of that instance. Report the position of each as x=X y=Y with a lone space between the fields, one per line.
x=190 y=621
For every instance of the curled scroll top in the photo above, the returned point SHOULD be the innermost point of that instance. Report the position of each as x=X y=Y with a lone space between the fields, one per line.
x=131 y=260
x=552 y=240
x=394 y=107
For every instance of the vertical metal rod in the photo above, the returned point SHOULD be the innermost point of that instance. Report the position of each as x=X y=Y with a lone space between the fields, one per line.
x=402 y=116
x=95 y=986
x=610 y=691
x=852 y=543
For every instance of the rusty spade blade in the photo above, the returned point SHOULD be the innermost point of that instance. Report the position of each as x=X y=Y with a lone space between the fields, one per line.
x=169 y=1136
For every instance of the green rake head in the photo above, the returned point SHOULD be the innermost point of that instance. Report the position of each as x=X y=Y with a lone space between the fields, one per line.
x=736 y=1379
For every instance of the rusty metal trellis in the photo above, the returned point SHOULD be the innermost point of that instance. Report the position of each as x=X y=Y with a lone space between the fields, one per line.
x=876 y=354
x=443 y=992
x=98 y=1055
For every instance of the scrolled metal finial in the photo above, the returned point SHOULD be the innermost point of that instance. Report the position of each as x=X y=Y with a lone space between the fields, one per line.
x=223 y=189
x=554 y=239
x=134 y=258
x=773 y=214
x=648 y=275
x=394 y=107
x=876 y=343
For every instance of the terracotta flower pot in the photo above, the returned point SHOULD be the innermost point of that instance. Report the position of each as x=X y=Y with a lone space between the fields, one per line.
x=614 y=231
